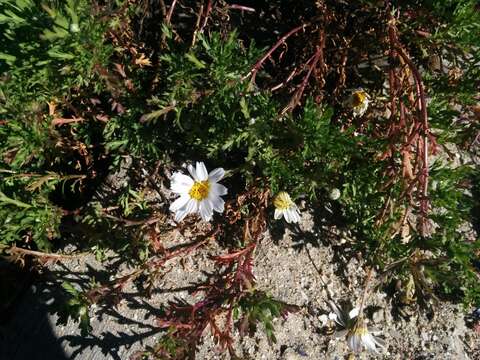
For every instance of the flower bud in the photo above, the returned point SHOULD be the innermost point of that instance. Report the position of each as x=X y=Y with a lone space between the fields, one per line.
x=334 y=194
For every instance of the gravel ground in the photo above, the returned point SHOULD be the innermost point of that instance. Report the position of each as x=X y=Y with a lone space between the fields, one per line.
x=294 y=264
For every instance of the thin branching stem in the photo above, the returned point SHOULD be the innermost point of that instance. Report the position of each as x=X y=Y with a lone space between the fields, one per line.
x=14 y=250
x=170 y=12
x=241 y=7
x=318 y=57
x=258 y=65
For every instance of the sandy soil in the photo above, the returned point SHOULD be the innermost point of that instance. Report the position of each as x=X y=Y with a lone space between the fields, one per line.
x=294 y=265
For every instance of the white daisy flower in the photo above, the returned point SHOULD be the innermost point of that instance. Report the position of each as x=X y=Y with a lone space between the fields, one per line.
x=359 y=101
x=359 y=337
x=199 y=193
x=357 y=332
x=284 y=206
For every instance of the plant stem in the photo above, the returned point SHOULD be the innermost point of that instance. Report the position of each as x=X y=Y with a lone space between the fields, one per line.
x=260 y=62
x=15 y=249
x=5 y=199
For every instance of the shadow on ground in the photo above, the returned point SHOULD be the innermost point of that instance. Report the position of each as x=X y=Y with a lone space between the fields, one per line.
x=26 y=331
x=30 y=328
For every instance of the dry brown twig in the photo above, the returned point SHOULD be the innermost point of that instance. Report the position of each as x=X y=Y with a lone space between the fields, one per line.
x=241 y=7
x=14 y=250
x=170 y=12
x=259 y=64
x=312 y=65
x=408 y=128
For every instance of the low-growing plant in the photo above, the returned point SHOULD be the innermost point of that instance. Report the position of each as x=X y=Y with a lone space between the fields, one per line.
x=367 y=109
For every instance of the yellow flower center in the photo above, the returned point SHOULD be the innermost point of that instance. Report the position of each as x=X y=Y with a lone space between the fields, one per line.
x=282 y=201
x=199 y=190
x=360 y=331
x=358 y=98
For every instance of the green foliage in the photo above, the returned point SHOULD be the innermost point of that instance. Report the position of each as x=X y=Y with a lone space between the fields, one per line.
x=77 y=307
x=76 y=63
x=36 y=221
x=54 y=47
x=47 y=52
x=462 y=21
x=258 y=307
x=203 y=88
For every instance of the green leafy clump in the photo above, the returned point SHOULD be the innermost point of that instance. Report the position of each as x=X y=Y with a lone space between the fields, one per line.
x=256 y=308
x=86 y=85
x=77 y=307
x=48 y=53
x=35 y=222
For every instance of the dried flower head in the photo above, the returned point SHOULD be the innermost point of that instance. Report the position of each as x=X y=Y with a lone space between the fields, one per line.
x=359 y=101
x=358 y=335
x=199 y=193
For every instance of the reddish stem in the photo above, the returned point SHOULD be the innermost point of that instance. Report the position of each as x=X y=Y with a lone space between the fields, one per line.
x=258 y=65
x=170 y=12
x=61 y=121
x=298 y=94
x=422 y=124
x=207 y=13
x=241 y=7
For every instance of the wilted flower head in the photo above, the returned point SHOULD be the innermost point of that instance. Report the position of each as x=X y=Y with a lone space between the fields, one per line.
x=357 y=332
x=359 y=101
x=341 y=317
x=359 y=337
x=199 y=193
x=284 y=206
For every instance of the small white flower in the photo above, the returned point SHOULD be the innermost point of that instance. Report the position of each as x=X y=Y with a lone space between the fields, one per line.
x=354 y=327
x=284 y=206
x=334 y=194
x=74 y=27
x=199 y=193
x=359 y=101
x=358 y=338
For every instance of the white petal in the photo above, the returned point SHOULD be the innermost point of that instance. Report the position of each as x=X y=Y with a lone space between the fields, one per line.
x=179 y=203
x=278 y=214
x=379 y=342
x=192 y=172
x=294 y=215
x=218 y=189
x=286 y=215
x=206 y=211
x=192 y=206
x=353 y=313
x=354 y=343
x=338 y=313
x=369 y=342
x=217 y=203
x=298 y=215
x=180 y=183
x=351 y=342
x=181 y=214
x=216 y=175
x=202 y=173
